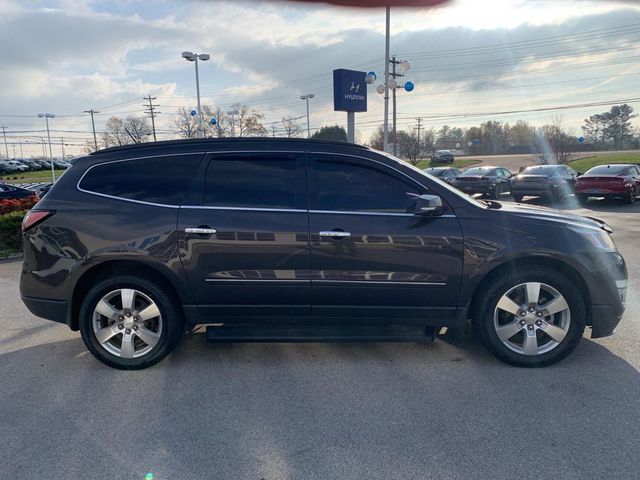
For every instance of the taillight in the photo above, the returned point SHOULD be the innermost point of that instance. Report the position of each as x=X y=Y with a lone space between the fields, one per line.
x=34 y=217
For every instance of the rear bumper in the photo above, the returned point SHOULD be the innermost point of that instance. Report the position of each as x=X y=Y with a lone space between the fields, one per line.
x=55 y=310
x=601 y=192
x=533 y=190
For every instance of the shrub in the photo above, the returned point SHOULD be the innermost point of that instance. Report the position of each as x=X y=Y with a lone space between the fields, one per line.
x=10 y=233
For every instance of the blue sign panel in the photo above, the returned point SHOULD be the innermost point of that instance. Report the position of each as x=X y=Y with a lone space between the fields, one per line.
x=349 y=90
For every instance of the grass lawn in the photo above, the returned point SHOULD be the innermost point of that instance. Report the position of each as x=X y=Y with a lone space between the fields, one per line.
x=584 y=164
x=30 y=177
x=457 y=163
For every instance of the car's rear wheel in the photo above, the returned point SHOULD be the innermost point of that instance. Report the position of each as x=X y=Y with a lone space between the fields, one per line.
x=496 y=192
x=582 y=198
x=518 y=198
x=530 y=318
x=631 y=197
x=129 y=322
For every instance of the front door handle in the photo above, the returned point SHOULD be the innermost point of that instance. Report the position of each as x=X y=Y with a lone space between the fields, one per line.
x=334 y=234
x=200 y=230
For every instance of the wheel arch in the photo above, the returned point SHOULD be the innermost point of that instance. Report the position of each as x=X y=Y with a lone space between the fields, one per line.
x=121 y=267
x=521 y=264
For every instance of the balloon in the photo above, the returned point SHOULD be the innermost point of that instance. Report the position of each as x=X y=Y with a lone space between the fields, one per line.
x=409 y=86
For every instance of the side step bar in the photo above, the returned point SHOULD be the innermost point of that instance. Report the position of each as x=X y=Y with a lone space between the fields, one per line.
x=278 y=333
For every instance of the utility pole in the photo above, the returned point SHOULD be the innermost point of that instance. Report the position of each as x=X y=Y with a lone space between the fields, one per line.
x=418 y=128
x=4 y=133
x=21 y=154
x=394 y=74
x=152 y=113
x=62 y=145
x=273 y=129
x=93 y=125
x=386 y=79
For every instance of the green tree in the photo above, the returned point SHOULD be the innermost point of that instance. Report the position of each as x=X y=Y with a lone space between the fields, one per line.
x=335 y=132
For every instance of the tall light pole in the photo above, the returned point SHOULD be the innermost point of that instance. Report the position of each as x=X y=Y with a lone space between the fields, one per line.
x=47 y=116
x=233 y=113
x=307 y=97
x=4 y=133
x=194 y=57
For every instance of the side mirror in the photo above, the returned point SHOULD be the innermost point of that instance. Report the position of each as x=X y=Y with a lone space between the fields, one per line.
x=428 y=205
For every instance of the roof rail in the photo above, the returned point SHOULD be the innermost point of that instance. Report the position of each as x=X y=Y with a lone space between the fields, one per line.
x=214 y=141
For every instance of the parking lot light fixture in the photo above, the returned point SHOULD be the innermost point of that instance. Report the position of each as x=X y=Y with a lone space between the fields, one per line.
x=46 y=117
x=307 y=97
x=194 y=57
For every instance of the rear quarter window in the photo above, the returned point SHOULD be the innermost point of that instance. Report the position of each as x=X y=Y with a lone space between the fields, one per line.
x=161 y=180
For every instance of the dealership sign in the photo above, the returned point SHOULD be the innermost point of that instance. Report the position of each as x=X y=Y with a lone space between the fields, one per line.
x=349 y=90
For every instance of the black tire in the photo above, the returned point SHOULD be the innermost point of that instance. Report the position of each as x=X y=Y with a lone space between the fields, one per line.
x=631 y=197
x=168 y=305
x=518 y=198
x=556 y=195
x=496 y=192
x=582 y=198
x=483 y=316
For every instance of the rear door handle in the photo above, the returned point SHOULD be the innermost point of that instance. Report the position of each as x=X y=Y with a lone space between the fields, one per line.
x=200 y=230
x=334 y=234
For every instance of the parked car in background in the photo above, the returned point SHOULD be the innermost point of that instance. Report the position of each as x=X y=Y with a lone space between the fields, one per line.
x=442 y=156
x=7 y=168
x=20 y=167
x=275 y=239
x=549 y=181
x=16 y=198
x=444 y=173
x=43 y=163
x=61 y=164
x=32 y=164
x=616 y=180
x=489 y=181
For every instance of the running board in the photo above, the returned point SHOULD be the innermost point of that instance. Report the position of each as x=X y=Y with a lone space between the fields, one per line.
x=276 y=333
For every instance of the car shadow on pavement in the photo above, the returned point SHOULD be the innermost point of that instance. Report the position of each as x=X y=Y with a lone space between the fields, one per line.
x=318 y=410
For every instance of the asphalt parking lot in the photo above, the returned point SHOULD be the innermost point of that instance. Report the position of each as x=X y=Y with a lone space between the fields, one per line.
x=448 y=410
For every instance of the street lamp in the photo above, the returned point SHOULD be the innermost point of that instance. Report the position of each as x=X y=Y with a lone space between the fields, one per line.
x=307 y=97
x=233 y=124
x=46 y=117
x=194 y=57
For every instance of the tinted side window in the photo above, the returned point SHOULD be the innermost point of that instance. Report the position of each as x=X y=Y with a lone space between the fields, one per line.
x=161 y=180
x=343 y=186
x=263 y=182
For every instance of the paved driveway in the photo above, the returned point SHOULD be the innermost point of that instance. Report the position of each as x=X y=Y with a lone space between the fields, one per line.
x=320 y=411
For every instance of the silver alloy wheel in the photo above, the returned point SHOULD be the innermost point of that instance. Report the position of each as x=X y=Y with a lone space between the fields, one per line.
x=127 y=323
x=532 y=318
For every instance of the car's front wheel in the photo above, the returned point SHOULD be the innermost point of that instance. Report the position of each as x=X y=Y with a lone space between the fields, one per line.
x=129 y=322
x=530 y=318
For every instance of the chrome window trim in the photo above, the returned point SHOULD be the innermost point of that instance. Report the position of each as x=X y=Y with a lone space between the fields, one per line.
x=363 y=282
x=163 y=205
x=246 y=209
x=266 y=280
x=383 y=282
x=377 y=214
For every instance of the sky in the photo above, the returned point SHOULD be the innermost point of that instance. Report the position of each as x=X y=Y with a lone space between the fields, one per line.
x=471 y=61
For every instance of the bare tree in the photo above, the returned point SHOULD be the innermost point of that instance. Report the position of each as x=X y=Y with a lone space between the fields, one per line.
x=187 y=125
x=291 y=127
x=249 y=121
x=410 y=147
x=554 y=143
x=124 y=132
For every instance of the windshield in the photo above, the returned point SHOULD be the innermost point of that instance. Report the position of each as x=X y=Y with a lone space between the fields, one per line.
x=540 y=170
x=478 y=171
x=609 y=170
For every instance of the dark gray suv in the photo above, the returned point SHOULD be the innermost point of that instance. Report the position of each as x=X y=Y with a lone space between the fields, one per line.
x=273 y=239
